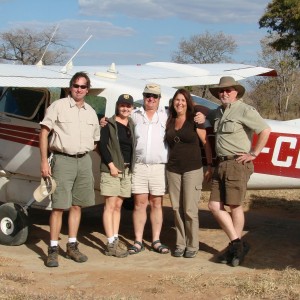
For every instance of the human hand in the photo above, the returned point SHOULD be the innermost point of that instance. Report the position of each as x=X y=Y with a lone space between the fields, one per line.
x=45 y=169
x=103 y=122
x=199 y=118
x=208 y=174
x=114 y=171
x=244 y=157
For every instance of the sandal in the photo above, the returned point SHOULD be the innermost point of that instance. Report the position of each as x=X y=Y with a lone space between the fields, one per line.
x=161 y=248
x=134 y=249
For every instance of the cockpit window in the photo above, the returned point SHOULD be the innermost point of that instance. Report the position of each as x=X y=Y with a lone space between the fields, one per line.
x=23 y=103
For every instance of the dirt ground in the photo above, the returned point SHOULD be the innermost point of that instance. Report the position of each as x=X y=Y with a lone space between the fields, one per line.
x=272 y=229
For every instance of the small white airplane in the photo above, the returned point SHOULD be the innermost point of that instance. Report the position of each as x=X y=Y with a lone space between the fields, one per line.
x=27 y=91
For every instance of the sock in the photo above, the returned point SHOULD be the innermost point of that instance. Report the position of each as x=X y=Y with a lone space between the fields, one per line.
x=116 y=236
x=72 y=240
x=53 y=243
x=111 y=239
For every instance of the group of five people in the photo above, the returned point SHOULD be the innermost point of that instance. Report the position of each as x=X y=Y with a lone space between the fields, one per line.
x=144 y=152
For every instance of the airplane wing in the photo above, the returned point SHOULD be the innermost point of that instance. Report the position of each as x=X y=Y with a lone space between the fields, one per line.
x=176 y=75
x=43 y=76
x=164 y=73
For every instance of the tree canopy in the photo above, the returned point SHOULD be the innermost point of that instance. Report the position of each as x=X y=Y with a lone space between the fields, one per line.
x=27 y=47
x=205 y=48
x=283 y=17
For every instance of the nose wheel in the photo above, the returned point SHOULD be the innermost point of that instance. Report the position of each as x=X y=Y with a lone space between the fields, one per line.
x=13 y=224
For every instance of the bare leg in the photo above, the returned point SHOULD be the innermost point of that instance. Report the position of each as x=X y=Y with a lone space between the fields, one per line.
x=55 y=222
x=74 y=220
x=108 y=216
x=156 y=216
x=139 y=215
x=223 y=218
x=117 y=215
x=238 y=219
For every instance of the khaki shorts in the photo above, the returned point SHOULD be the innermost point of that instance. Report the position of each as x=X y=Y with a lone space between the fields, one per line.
x=149 y=179
x=229 y=182
x=75 y=181
x=116 y=186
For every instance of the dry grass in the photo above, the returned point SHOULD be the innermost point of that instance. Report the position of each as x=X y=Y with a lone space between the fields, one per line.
x=268 y=285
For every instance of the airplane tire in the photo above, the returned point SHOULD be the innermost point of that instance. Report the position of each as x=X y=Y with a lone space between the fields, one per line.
x=13 y=224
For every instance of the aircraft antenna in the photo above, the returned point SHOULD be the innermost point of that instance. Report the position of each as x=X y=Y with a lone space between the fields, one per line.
x=40 y=62
x=69 y=64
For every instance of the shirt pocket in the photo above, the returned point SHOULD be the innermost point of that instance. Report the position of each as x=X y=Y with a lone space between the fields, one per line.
x=64 y=123
x=229 y=126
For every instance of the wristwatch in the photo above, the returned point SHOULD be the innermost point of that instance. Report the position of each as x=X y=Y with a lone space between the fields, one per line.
x=252 y=154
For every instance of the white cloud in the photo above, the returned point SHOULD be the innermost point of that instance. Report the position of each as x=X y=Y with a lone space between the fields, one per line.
x=202 y=11
x=164 y=40
x=78 y=29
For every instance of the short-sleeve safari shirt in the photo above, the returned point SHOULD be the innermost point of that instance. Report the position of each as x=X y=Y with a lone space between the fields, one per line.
x=234 y=127
x=74 y=130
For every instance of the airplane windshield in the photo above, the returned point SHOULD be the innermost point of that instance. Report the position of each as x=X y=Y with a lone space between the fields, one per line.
x=23 y=103
x=204 y=102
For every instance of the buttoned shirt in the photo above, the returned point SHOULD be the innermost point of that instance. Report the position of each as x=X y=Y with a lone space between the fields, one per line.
x=74 y=129
x=234 y=127
x=150 y=147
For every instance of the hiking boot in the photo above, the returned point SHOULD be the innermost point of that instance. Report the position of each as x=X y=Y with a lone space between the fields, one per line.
x=74 y=253
x=239 y=249
x=116 y=249
x=52 y=259
x=121 y=244
x=227 y=256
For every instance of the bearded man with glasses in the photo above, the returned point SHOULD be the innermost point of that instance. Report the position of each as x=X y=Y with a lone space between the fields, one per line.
x=74 y=129
x=234 y=124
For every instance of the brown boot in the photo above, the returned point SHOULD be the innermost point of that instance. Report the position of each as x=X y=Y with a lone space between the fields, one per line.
x=52 y=259
x=74 y=253
x=117 y=249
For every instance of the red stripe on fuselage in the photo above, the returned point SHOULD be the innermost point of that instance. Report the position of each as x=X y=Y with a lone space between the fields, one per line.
x=19 y=134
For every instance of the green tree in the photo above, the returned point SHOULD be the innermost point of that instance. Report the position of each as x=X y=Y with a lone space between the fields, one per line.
x=205 y=48
x=283 y=17
x=275 y=96
x=27 y=47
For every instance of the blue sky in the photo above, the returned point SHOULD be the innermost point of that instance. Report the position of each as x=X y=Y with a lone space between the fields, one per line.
x=138 y=31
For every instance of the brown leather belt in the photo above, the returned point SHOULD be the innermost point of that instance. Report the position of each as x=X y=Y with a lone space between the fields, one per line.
x=78 y=155
x=228 y=157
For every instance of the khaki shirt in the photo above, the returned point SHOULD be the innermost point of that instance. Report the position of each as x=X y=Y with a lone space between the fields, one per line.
x=74 y=130
x=235 y=126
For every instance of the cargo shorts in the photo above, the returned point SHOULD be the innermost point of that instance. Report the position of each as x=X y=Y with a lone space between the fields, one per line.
x=229 y=182
x=75 y=181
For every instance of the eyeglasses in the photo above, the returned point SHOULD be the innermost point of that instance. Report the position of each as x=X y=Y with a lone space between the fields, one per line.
x=228 y=91
x=148 y=95
x=76 y=86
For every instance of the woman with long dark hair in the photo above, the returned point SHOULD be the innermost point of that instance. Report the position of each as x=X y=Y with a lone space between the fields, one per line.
x=185 y=171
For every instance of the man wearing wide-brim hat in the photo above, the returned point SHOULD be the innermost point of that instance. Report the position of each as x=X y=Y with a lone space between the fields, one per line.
x=234 y=124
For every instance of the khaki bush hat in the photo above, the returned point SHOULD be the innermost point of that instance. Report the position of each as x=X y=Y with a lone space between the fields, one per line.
x=152 y=88
x=226 y=82
x=46 y=188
